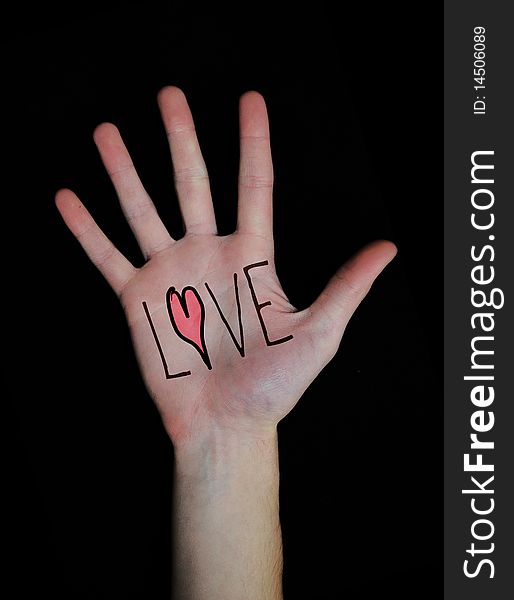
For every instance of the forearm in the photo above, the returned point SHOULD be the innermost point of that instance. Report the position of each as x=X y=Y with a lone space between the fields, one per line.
x=226 y=538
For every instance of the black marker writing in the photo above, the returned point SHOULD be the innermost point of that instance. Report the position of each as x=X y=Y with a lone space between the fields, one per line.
x=187 y=315
x=259 y=307
x=159 y=348
x=239 y=345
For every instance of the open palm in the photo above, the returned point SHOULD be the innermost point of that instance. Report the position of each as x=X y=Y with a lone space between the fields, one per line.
x=218 y=343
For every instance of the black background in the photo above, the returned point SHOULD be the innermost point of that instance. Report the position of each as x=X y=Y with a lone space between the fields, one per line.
x=352 y=101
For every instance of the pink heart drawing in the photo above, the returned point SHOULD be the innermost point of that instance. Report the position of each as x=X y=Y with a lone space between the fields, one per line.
x=187 y=315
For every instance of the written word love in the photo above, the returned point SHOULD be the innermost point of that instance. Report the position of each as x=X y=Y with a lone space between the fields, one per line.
x=186 y=311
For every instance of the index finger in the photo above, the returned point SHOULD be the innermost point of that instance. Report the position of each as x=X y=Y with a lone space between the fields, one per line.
x=255 y=205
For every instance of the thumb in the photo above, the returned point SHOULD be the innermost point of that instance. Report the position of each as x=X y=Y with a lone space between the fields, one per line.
x=348 y=287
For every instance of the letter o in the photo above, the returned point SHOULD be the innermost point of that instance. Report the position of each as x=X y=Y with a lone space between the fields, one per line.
x=482 y=191
x=482 y=537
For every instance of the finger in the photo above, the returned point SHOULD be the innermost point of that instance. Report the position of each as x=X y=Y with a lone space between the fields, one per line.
x=348 y=287
x=191 y=179
x=116 y=269
x=255 y=210
x=136 y=204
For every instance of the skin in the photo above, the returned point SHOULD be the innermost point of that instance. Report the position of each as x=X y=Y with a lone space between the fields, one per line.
x=222 y=422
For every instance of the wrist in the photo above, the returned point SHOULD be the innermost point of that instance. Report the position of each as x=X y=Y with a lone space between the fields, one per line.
x=221 y=453
x=226 y=515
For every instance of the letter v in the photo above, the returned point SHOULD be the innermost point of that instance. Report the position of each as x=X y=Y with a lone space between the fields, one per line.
x=239 y=345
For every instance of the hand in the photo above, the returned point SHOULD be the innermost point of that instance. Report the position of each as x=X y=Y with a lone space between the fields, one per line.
x=230 y=352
